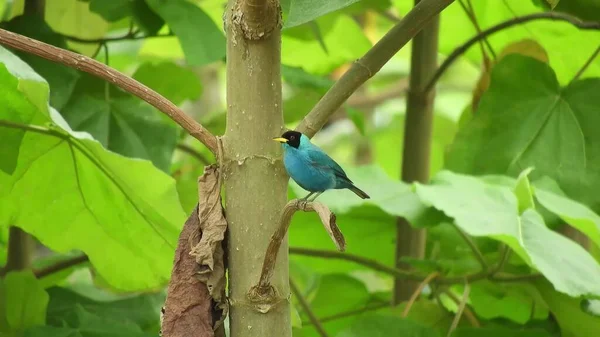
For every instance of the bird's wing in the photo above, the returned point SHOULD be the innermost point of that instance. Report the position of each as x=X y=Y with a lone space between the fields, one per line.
x=321 y=160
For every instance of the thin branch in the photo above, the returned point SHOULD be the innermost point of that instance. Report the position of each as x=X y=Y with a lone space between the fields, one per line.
x=468 y=313
x=418 y=291
x=504 y=255
x=468 y=9
x=124 y=82
x=369 y=101
x=366 y=67
x=586 y=64
x=461 y=307
x=408 y=275
x=60 y=266
x=352 y=312
x=474 y=248
x=130 y=36
x=328 y=220
x=555 y=16
x=306 y=307
x=192 y=152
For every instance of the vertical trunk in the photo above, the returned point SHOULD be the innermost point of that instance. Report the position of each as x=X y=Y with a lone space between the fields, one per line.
x=417 y=143
x=21 y=247
x=255 y=182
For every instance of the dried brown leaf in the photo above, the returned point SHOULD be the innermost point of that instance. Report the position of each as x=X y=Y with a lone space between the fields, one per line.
x=209 y=252
x=188 y=307
x=328 y=220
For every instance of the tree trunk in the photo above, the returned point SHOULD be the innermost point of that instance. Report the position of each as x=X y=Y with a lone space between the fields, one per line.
x=417 y=143
x=255 y=182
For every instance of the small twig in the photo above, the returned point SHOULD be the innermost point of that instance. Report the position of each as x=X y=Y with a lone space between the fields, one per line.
x=468 y=9
x=417 y=292
x=352 y=312
x=192 y=152
x=461 y=307
x=586 y=64
x=60 y=266
x=504 y=255
x=327 y=218
x=368 y=101
x=93 y=67
x=306 y=307
x=132 y=35
x=557 y=16
x=467 y=311
x=367 y=66
x=473 y=246
x=404 y=274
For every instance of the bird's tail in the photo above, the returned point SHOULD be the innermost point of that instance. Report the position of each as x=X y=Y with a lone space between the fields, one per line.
x=359 y=192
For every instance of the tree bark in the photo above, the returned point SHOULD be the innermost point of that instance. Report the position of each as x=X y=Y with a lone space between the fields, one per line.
x=255 y=182
x=417 y=144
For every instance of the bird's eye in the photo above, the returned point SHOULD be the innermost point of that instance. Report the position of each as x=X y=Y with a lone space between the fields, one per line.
x=292 y=137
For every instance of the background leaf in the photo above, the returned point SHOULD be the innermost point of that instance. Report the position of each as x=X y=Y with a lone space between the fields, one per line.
x=23 y=302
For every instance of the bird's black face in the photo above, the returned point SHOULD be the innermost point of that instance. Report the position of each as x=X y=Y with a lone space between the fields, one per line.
x=291 y=138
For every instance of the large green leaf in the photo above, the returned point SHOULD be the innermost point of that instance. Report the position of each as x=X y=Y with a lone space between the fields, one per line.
x=584 y=9
x=23 y=302
x=568 y=47
x=327 y=301
x=572 y=212
x=142 y=310
x=71 y=193
x=124 y=125
x=174 y=82
x=532 y=122
x=344 y=39
x=500 y=332
x=202 y=41
x=303 y=11
x=573 y=321
x=386 y=326
x=482 y=209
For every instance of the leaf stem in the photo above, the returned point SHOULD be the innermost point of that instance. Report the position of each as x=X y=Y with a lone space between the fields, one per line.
x=352 y=312
x=417 y=292
x=555 y=16
x=478 y=255
x=468 y=313
x=586 y=65
x=93 y=67
x=470 y=12
x=306 y=307
x=461 y=307
x=193 y=152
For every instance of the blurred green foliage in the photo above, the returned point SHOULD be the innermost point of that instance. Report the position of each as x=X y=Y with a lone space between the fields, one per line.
x=87 y=168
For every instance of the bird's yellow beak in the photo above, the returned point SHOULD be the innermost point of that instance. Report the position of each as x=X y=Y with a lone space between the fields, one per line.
x=280 y=139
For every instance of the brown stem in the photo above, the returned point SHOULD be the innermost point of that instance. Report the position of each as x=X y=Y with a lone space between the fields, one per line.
x=111 y=75
x=60 y=266
x=20 y=250
x=555 y=16
x=418 y=126
x=367 y=66
x=461 y=307
x=328 y=220
x=352 y=312
x=467 y=311
x=192 y=152
x=418 y=291
x=306 y=307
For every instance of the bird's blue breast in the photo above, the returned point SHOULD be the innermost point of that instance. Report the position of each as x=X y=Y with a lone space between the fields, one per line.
x=309 y=176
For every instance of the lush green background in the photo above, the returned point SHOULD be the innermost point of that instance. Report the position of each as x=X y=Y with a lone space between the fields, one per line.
x=100 y=172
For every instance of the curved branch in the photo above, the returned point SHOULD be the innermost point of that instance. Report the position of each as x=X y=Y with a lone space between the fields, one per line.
x=366 y=67
x=129 y=36
x=60 y=266
x=555 y=16
x=93 y=67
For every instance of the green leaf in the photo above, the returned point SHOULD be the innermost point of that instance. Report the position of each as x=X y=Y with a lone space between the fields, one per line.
x=327 y=301
x=174 y=82
x=123 y=124
x=303 y=11
x=386 y=326
x=511 y=301
x=112 y=11
x=482 y=209
x=142 y=310
x=146 y=18
x=358 y=118
x=572 y=320
x=296 y=76
x=572 y=212
x=500 y=332
x=86 y=324
x=202 y=41
x=23 y=302
x=62 y=79
x=541 y=125
x=97 y=201
x=523 y=191
x=344 y=38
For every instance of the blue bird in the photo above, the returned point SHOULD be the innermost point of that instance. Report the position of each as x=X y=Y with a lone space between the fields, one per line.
x=311 y=167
